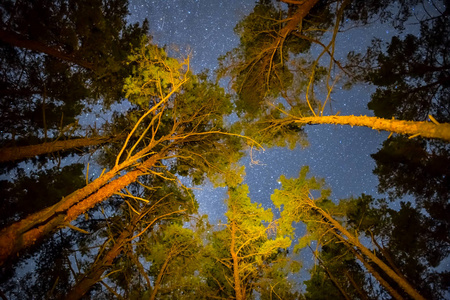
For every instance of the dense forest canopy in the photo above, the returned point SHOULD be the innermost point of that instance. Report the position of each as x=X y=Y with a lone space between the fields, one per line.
x=135 y=231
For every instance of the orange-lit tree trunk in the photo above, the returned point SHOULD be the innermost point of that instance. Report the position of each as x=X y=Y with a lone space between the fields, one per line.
x=332 y=278
x=159 y=278
x=102 y=263
x=94 y=275
x=354 y=241
x=27 y=231
x=413 y=128
x=358 y=289
x=236 y=274
x=297 y=18
x=15 y=153
x=377 y=275
x=388 y=258
x=14 y=39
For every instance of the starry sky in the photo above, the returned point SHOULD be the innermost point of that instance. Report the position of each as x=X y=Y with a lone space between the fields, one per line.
x=340 y=154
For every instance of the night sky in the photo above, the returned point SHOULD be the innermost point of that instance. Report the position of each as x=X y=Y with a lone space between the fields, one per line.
x=340 y=154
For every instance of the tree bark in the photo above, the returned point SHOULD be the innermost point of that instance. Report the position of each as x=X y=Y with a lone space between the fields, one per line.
x=27 y=231
x=159 y=277
x=377 y=275
x=356 y=286
x=413 y=128
x=17 y=40
x=388 y=258
x=334 y=280
x=15 y=153
x=406 y=286
x=234 y=256
x=100 y=266
x=300 y=13
x=292 y=23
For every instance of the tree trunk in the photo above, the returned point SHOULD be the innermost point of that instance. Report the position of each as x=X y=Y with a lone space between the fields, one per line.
x=100 y=266
x=356 y=286
x=293 y=23
x=334 y=280
x=234 y=256
x=355 y=242
x=27 y=231
x=17 y=40
x=336 y=283
x=388 y=258
x=413 y=128
x=15 y=153
x=377 y=275
x=160 y=276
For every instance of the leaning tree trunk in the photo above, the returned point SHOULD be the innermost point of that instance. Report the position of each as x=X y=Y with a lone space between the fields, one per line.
x=17 y=40
x=375 y=274
x=333 y=279
x=412 y=128
x=27 y=231
x=15 y=153
x=357 y=288
x=405 y=285
x=159 y=278
x=238 y=288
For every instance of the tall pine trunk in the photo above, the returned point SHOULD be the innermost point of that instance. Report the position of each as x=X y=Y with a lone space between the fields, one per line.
x=333 y=279
x=27 y=231
x=296 y=19
x=354 y=241
x=357 y=288
x=95 y=273
x=159 y=278
x=413 y=128
x=236 y=276
x=15 y=153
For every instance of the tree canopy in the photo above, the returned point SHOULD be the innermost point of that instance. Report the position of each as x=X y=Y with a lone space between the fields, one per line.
x=108 y=208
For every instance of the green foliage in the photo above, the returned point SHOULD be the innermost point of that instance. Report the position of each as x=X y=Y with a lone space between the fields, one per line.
x=50 y=276
x=337 y=266
x=164 y=244
x=154 y=74
x=275 y=280
x=412 y=83
x=195 y=261
x=320 y=287
x=173 y=244
x=274 y=128
x=406 y=166
x=381 y=10
x=294 y=196
x=390 y=232
x=242 y=210
x=191 y=110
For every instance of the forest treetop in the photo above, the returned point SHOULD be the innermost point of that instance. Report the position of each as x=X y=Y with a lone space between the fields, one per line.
x=134 y=231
